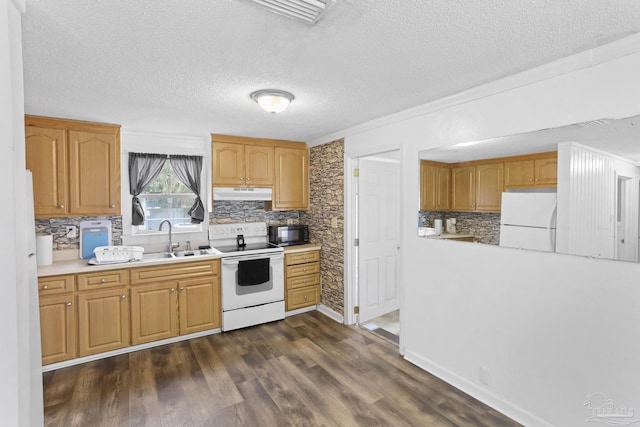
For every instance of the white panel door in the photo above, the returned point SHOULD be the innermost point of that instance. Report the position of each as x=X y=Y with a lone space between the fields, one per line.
x=378 y=231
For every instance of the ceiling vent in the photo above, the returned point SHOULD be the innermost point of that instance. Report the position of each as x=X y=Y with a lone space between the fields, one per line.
x=307 y=11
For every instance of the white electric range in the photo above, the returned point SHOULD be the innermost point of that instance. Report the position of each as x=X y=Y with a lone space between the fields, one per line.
x=252 y=275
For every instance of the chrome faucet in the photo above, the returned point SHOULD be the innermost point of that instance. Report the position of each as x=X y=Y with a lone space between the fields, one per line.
x=171 y=245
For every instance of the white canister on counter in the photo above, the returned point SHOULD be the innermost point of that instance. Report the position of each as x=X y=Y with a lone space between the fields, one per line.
x=44 y=249
x=437 y=224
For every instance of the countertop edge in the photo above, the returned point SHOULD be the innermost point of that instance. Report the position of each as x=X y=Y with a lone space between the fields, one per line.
x=302 y=248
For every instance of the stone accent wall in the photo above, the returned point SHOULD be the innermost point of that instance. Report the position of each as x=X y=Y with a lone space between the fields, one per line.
x=226 y=212
x=326 y=179
x=57 y=228
x=484 y=225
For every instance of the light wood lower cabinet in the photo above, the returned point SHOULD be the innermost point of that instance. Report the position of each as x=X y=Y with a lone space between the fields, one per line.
x=103 y=321
x=57 y=328
x=302 y=279
x=168 y=308
x=105 y=313
x=154 y=310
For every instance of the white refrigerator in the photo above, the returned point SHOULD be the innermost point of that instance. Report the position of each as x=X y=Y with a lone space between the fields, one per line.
x=528 y=220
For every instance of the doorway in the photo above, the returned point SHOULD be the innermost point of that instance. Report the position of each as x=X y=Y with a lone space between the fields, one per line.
x=378 y=235
x=624 y=234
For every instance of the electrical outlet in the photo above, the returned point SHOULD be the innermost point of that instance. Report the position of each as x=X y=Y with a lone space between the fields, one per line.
x=71 y=231
x=485 y=376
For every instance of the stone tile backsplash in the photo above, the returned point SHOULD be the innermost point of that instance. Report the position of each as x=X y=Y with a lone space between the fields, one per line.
x=486 y=226
x=223 y=212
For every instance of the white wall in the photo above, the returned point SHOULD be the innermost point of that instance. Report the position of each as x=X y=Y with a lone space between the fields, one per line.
x=550 y=328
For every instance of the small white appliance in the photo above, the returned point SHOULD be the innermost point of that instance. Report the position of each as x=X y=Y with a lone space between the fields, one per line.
x=252 y=275
x=528 y=220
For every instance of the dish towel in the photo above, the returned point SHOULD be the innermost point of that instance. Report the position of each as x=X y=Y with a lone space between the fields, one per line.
x=253 y=272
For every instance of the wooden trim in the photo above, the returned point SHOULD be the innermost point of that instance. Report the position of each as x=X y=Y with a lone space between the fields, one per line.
x=534 y=156
x=69 y=124
x=432 y=163
x=258 y=141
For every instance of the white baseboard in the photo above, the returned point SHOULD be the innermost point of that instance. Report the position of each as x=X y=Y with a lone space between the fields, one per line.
x=496 y=402
x=330 y=313
x=131 y=349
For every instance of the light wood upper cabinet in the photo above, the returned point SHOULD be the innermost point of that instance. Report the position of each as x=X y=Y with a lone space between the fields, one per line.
x=75 y=166
x=94 y=173
x=242 y=165
x=532 y=172
x=291 y=188
x=103 y=321
x=489 y=184
x=57 y=328
x=463 y=195
x=46 y=151
x=434 y=186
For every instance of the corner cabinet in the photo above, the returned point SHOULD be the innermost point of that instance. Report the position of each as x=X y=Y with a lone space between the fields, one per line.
x=75 y=166
x=268 y=163
x=435 y=183
x=540 y=171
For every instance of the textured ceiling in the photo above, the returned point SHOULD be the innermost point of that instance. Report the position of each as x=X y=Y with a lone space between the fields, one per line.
x=188 y=67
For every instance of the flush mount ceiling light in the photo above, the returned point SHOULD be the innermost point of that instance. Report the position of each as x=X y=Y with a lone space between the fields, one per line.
x=272 y=100
x=307 y=11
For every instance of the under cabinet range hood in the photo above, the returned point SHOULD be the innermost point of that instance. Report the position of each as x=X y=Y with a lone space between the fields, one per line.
x=242 y=193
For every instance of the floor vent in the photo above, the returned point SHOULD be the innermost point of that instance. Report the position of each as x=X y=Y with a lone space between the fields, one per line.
x=307 y=11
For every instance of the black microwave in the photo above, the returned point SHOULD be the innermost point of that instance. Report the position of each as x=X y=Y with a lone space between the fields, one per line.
x=288 y=235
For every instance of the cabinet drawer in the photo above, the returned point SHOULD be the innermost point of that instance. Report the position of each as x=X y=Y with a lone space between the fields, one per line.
x=175 y=271
x=303 y=269
x=103 y=279
x=302 y=281
x=303 y=297
x=302 y=257
x=56 y=284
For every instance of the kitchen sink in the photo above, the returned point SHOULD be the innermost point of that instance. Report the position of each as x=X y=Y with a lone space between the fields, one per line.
x=159 y=255
x=195 y=252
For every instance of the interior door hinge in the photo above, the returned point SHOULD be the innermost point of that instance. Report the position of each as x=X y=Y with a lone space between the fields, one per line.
x=356 y=309
x=356 y=172
x=356 y=242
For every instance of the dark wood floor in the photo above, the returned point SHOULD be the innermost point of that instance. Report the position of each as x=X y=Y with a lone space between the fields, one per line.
x=306 y=370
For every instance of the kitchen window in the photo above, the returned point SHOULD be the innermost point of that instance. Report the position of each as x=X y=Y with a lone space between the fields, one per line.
x=165 y=194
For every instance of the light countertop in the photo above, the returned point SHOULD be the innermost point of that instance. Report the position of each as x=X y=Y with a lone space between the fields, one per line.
x=450 y=236
x=82 y=266
x=301 y=248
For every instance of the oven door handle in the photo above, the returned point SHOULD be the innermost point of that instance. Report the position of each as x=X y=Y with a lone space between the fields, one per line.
x=236 y=260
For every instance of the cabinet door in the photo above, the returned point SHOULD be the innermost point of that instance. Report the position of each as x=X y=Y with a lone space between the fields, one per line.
x=46 y=158
x=489 y=184
x=259 y=165
x=291 y=188
x=154 y=312
x=227 y=163
x=428 y=189
x=443 y=187
x=518 y=174
x=546 y=172
x=94 y=173
x=200 y=307
x=463 y=188
x=103 y=321
x=57 y=328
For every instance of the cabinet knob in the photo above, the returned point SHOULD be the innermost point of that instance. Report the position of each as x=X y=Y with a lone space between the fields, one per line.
x=537 y=179
x=102 y=280
x=248 y=179
x=530 y=179
x=241 y=178
x=304 y=269
x=182 y=289
x=113 y=206
x=45 y=287
x=124 y=297
x=68 y=304
x=61 y=206
x=173 y=290
x=305 y=298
